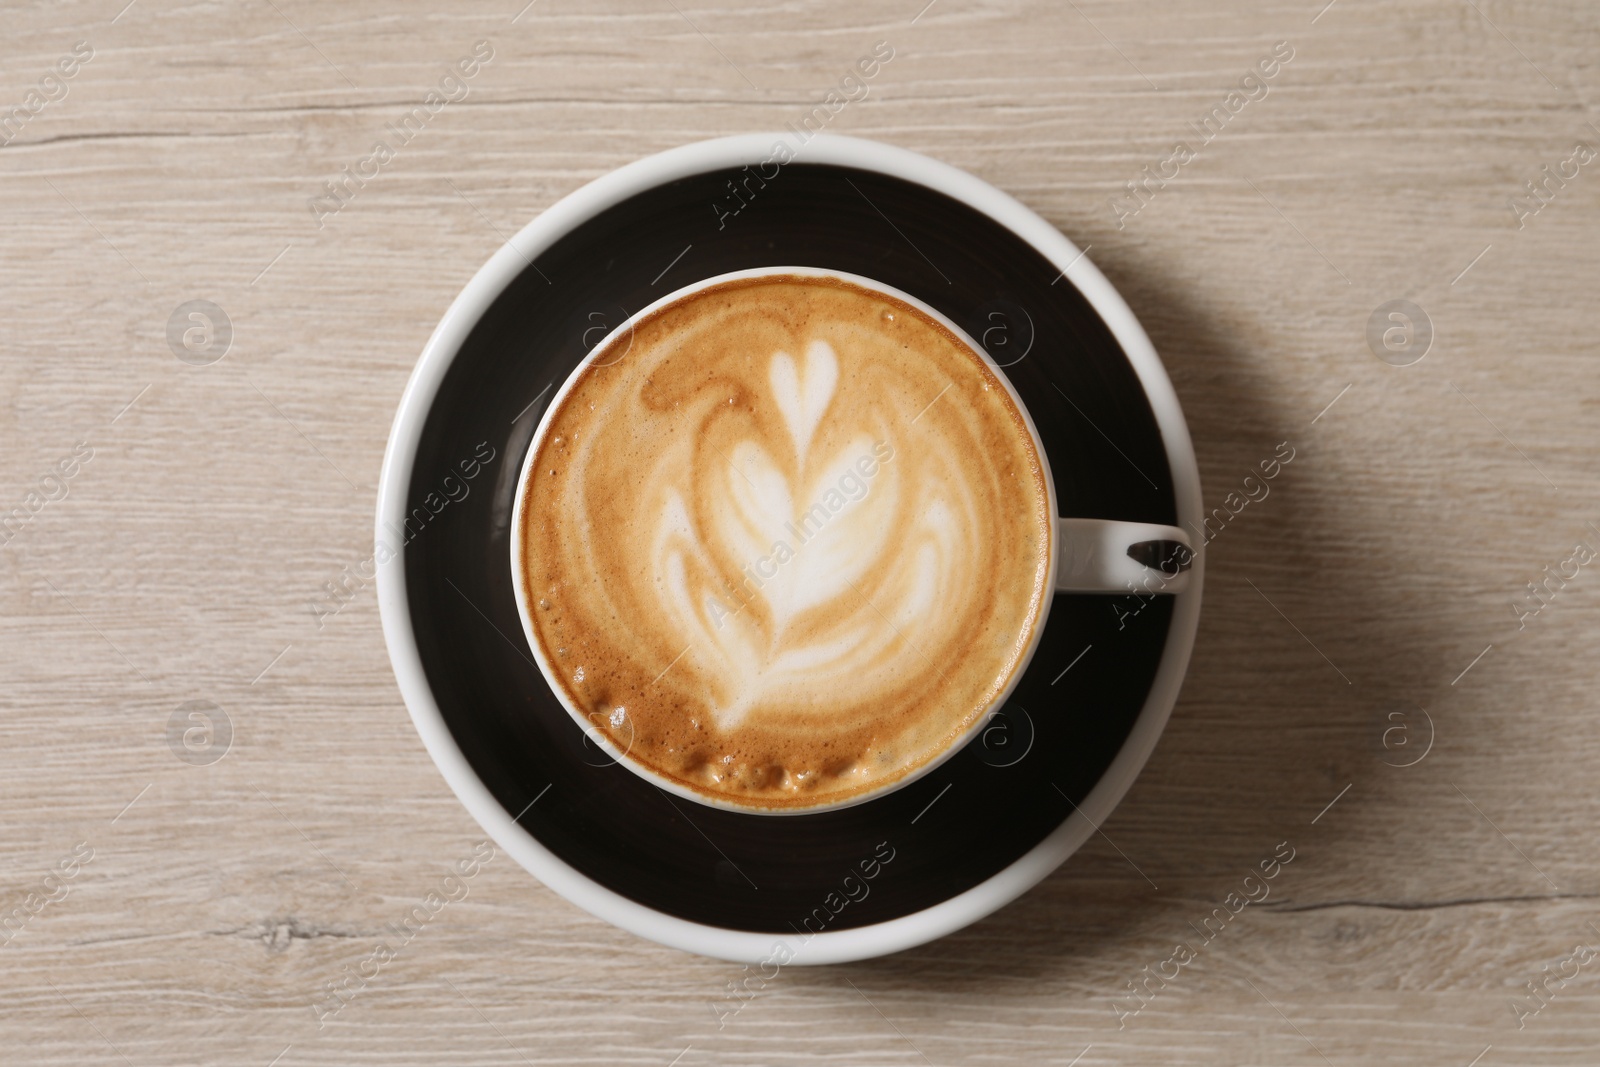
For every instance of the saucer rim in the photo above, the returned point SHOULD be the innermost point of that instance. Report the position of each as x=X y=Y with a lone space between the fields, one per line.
x=416 y=402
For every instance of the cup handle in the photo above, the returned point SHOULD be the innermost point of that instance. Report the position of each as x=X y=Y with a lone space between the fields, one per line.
x=1110 y=556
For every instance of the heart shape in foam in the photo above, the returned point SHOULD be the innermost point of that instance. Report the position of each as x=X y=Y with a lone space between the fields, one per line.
x=804 y=400
x=797 y=558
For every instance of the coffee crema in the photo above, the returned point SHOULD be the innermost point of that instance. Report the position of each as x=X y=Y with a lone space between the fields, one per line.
x=785 y=541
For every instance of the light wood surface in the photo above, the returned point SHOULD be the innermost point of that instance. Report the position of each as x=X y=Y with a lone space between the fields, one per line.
x=1377 y=578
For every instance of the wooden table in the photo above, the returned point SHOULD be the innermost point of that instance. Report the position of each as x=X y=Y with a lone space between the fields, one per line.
x=1368 y=605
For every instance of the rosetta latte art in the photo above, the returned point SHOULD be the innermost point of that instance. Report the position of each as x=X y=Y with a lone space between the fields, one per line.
x=811 y=560
x=788 y=546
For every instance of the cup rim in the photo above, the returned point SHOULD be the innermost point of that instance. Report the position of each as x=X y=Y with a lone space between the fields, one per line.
x=467 y=309
x=518 y=572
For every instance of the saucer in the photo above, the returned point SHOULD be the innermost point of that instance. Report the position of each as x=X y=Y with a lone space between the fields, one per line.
x=946 y=849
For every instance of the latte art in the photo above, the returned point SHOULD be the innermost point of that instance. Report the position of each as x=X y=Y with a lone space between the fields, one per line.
x=789 y=546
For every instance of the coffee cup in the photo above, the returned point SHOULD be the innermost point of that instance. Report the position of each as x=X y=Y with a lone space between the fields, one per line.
x=852 y=710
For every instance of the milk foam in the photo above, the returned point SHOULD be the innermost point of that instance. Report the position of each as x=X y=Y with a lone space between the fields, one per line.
x=798 y=533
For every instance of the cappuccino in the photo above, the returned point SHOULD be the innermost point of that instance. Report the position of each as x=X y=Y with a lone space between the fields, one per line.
x=784 y=541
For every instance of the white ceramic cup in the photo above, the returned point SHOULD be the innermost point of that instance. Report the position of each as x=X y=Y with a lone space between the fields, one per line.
x=1084 y=556
x=560 y=219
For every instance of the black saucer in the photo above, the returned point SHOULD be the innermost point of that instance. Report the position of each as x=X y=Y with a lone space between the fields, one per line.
x=949 y=831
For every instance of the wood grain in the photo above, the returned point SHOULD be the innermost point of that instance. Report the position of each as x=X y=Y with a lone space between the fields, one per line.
x=182 y=561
